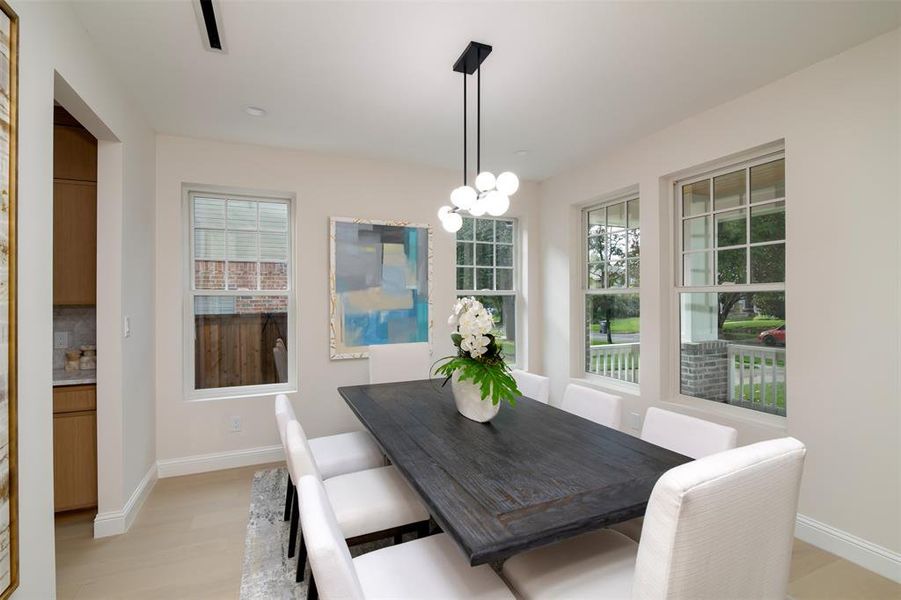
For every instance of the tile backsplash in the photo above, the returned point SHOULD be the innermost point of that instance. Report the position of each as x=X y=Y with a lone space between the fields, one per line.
x=80 y=322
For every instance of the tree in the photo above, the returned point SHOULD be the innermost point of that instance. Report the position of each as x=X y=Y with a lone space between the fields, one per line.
x=771 y=304
x=607 y=307
x=767 y=262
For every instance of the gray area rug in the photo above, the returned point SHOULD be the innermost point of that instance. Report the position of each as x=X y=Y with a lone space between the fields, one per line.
x=268 y=573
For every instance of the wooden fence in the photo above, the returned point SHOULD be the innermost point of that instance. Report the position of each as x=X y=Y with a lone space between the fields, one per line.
x=236 y=350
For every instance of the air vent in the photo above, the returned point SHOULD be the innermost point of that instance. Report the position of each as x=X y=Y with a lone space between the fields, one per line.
x=210 y=21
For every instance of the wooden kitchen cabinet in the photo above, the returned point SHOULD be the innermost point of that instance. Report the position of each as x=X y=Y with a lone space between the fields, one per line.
x=74 y=154
x=74 y=212
x=74 y=243
x=74 y=447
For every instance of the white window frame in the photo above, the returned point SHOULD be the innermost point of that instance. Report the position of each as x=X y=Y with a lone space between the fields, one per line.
x=515 y=292
x=672 y=361
x=594 y=378
x=189 y=292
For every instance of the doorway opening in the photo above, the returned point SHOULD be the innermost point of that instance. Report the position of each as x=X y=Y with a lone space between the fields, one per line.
x=74 y=318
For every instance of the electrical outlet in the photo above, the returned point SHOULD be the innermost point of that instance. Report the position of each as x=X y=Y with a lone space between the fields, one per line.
x=635 y=421
x=235 y=424
x=60 y=339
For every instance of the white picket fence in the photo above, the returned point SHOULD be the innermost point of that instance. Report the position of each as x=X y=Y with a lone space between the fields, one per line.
x=757 y=377
x=619 y=361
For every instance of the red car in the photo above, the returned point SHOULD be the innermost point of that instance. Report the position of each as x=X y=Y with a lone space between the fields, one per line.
x=773 y=337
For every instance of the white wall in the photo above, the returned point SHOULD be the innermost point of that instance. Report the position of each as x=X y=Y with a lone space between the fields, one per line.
x=52 y=42
x=325 y=186
x=840 y=123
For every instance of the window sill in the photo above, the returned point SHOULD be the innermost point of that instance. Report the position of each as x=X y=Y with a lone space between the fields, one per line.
x=250 y=391
x=608 y=384
x=728 y=411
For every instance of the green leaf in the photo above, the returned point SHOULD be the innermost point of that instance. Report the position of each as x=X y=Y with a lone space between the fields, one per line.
x=490 y=374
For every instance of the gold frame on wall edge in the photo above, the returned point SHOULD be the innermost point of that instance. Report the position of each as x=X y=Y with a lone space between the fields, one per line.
x=9 y=531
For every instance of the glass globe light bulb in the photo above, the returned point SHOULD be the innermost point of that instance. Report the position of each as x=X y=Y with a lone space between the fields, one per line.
x=443 y=212
x=463 y=197
x=478 y=208
x=496 y=203
x=507 y=183
x=485 y=181
x=452 y=222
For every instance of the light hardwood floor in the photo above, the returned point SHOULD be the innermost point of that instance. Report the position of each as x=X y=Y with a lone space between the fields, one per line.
x=188 y=542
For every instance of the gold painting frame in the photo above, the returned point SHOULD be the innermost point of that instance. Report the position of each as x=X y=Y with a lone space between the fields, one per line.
x=9 y=480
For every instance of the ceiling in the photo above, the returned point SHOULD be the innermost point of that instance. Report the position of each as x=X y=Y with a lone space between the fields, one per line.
x=566 y=80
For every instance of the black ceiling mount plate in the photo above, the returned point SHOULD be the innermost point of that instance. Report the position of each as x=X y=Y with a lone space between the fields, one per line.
x=472 y=57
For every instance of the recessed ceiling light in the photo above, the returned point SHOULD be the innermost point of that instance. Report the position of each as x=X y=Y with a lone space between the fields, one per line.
x=255 y=111
x=521 y=152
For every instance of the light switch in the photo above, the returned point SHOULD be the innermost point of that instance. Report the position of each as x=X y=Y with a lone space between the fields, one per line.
x=126 y=326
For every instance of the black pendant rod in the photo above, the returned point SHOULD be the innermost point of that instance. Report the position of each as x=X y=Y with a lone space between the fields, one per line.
x=479 y=113
x=464 y=129
x=468 y=63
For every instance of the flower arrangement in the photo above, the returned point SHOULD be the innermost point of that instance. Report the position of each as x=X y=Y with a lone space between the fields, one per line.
x=479 y=358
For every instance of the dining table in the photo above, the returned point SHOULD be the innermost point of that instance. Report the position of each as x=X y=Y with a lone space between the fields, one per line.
x=532 y=476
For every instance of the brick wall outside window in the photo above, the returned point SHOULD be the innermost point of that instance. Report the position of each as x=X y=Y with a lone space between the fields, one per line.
x=273 y=276
x=209 y=274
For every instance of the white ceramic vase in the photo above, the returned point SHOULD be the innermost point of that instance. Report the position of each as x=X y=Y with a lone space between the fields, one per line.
x=468 y=398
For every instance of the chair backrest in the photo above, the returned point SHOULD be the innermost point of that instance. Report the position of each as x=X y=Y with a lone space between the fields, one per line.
x=300 y=457
x=536 y=387
x=595 y=405
x=722 y=526
x=686 y=435
x=284 y=413
x=280 y=355
x=333 y=569
x=399 y=362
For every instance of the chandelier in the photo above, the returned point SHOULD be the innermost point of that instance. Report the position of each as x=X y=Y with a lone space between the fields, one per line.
x=491 y=195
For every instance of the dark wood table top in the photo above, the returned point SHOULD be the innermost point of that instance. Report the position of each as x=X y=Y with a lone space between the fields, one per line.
x=532 y=476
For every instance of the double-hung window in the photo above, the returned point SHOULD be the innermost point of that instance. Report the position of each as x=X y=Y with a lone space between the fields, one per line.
x=612 y=243
x=731 y=285
x=239 y=307
x=487 y=269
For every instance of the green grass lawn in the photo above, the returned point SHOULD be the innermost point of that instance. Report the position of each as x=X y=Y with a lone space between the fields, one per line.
x=628 y=325
x=752 y=394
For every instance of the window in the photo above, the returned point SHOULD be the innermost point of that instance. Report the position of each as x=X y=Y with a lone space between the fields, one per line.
x=612 y=238
x=486 y=269
x=731 y=244
x=239 y=305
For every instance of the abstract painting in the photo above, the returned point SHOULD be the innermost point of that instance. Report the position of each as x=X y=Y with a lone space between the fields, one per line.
x=379 y=280
x=9 y=560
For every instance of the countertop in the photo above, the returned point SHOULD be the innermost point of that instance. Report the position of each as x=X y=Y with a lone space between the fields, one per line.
x=62 y=377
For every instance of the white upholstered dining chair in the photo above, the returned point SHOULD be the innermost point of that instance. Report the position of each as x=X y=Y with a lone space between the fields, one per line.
x=399 y=362
x=536 y=387
x=430 y=567
x=689 y=436
x=333 y=454
x=595 y=405
x=371 y=504
x=719 y=527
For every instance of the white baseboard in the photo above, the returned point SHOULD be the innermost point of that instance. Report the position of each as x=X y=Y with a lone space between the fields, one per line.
x=203 y=463
x=118 y=521
x=850 y=547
